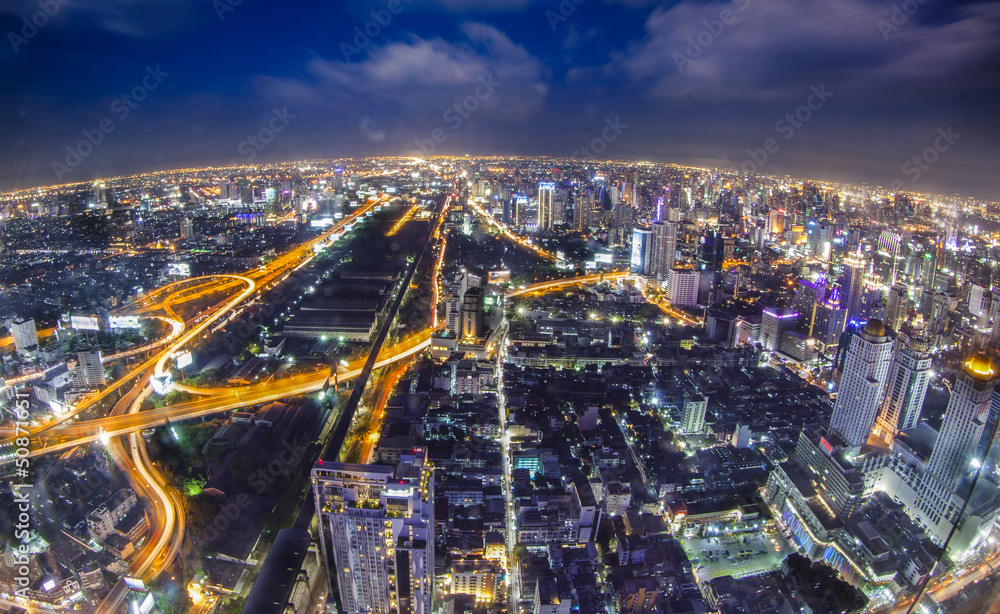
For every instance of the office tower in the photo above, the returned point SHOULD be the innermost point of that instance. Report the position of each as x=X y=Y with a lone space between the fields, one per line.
x=807 y=296
x=642 y=251
x=897 y=305
x=888 y=250
x=89 y=370
x=682 y=287
x=187 y=229
x=711 y=254
x=979 y=300
x=25 y=335
x=587 y=211
x=830 y=319
x=866 y=367
x=693 y=412
x=773 y=324
x=472 y=314
x=852 y=279
x=377 y=528
x=546 y=202
x=964 y=420
x=520 y=210
x=559 y=207
x=623 y=221
x=776 y=222
x=906 y=386
x=458 y=288
x=660 y=249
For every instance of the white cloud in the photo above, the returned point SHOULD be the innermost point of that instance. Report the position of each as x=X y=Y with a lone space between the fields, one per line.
x=772 y=50
x=420 y=78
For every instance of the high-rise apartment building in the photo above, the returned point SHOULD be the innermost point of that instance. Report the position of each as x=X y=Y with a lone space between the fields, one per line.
x=852 y=279
x=906 y=387
x=25 y=335
x=866 y=368
x=377 y=527
x=546 y=202
x=89 y=370
x=964 y=419
x=897 y=306
x=693 y=412
x=682 y=287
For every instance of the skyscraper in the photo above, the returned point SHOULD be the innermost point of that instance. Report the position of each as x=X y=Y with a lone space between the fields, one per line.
x=89 y=370
x=546 y=194
x=807 y=296
x=660 y=249
x=830 y=318
x=774 y=322
x=906 y=387
x=25 y=335
x=642 y=251
x=964 y=419
x=852 y=279
x=377 y=529
x=866 y=367
x=897 y=304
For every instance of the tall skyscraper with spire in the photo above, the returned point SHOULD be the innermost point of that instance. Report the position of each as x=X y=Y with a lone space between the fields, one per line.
x=866 y=368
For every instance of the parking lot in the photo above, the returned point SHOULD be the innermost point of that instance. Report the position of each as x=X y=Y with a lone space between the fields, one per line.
x=736 y=556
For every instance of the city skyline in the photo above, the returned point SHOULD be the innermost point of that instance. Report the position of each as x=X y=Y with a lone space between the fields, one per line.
x=872 y=87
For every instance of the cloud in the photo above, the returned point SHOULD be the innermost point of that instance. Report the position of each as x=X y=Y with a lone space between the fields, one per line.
x=419 y=79
x=128 y=18
x=770 y=51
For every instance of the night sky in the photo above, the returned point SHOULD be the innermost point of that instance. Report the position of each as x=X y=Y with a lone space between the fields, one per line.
x=531 y=77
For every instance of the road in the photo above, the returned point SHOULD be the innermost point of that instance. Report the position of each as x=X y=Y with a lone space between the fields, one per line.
x=512 y=236
x=63 y=437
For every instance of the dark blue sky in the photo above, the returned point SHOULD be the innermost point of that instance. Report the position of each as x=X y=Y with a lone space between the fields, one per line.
x=559 y=77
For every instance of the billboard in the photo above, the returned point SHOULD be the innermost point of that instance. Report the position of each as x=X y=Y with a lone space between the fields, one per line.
x=84 y=323
x=162 y=384
x=135 y=584
x=183 y=359
x=179 y=269
x=497 y=277
x=124 y=321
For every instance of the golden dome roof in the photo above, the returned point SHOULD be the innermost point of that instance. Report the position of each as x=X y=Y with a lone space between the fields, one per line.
x=980 y=366
x=875 y=328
